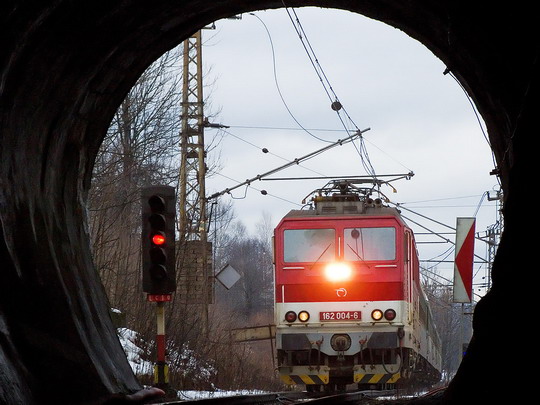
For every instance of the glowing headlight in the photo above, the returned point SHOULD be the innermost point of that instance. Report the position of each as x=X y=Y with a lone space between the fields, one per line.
x=337 y=271
x=303 y=316
x=376 y=314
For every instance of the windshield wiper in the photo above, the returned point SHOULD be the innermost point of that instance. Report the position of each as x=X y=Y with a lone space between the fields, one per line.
x=322 y=254
x=357 y=255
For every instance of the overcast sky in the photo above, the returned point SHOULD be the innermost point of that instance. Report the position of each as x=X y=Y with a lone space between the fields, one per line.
x=420 y=120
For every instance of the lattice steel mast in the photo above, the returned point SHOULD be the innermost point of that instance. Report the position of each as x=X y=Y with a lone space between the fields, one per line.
x=192 y=163
x=195 y=286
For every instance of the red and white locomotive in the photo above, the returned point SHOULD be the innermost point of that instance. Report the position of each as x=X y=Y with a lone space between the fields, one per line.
x=349 y=306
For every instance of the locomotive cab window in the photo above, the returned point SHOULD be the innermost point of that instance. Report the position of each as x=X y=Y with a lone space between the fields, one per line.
x=369 y=244
x=309 y=245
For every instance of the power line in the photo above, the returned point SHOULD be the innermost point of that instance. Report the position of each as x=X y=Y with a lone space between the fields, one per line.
x=475 y=111
x=361 y=149
x=264 y=192
x=265 y=150
x=442 y=199
x=288 y=128
x=296 y=161
x=277 y=83
x=317 y=130
x=336 y=104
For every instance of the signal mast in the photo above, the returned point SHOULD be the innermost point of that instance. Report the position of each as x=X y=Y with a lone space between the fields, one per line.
x=195 y=278
x=194 y=286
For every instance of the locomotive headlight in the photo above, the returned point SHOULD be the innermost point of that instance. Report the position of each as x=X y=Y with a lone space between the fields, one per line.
x=376 y=314
x=303 y=316
x=337 y=271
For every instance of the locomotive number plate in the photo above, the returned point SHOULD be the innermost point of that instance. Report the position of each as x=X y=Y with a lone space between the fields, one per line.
x=340 y=316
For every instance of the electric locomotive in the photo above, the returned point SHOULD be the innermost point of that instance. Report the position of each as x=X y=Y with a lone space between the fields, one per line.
x=349 y=306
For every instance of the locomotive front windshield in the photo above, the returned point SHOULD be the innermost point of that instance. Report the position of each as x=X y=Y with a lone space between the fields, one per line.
x=370 y=244
x=309 y=245
x=358 y=244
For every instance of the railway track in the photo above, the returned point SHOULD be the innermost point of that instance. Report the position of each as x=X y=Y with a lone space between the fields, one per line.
x=292 y=398
x=275 y=398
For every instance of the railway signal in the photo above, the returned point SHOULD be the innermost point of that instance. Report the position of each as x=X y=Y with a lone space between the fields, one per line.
x=158 y=242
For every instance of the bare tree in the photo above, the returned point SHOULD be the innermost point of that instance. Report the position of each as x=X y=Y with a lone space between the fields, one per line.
x=449 y=319
x=140 y=149
x=251 y=256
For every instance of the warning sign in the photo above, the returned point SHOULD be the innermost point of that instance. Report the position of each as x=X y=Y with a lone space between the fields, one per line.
x=463 y=263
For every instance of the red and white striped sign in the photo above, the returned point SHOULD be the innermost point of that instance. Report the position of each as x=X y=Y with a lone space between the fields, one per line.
x=463 y=263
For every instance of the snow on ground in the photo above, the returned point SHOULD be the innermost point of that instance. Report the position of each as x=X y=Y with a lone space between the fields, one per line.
x=128 y=339
x=186 y=359
x=192 y=395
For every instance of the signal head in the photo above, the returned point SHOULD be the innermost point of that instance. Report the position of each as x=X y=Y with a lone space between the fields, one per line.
x=158 y=239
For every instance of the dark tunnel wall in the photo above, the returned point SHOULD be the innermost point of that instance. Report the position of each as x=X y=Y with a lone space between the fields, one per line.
x=65 y=66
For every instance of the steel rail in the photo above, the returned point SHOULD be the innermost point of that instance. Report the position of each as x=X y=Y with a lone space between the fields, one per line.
x=288 y=397
x=252 y=399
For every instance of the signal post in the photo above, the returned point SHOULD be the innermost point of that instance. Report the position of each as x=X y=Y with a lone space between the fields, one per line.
x=158 y=208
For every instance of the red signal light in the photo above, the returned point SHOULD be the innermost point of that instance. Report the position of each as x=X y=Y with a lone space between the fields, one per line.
x=158 y=239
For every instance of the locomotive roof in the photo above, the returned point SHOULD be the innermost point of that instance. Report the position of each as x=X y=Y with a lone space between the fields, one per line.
x=343 y=198
x=366 y=212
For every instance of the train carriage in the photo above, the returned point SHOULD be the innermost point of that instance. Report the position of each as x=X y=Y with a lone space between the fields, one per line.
x=349 y=306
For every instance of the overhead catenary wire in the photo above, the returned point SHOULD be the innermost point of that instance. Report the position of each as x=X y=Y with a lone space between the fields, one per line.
x=433 y=298
x=327 y=86
x=288 y=128
x=265 y=150
x=290 y=163
x=256 y=189
x=399 y=206
x=480 y=203
x=337 y=105
x=442 y=199
x=475 y=111
x=276 y=82
x=361 y=149
x=272 y=128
